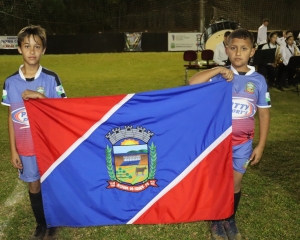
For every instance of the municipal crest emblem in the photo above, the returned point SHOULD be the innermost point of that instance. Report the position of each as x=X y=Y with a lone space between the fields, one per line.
x=131 y=159
x=40 y=90
x=250 y=87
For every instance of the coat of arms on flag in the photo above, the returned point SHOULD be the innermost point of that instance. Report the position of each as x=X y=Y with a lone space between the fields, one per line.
x=130 y=169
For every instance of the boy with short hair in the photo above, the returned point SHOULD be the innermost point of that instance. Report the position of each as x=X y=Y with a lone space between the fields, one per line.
x=262 y=35
x=285 y=34
x=30 y=81
x=249 y=94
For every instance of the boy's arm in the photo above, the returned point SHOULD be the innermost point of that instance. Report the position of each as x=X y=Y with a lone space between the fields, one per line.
x=29 y=94
x=280 y=40
x=15 y=159
x=264 y=123
x=205 y=76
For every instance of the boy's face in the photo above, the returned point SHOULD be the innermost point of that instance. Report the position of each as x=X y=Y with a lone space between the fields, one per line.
x=273 y=39
x=239 y=52
x=290 y=41
x=32 y=50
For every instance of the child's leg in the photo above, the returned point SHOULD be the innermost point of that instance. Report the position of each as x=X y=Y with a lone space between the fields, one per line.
x=229 y=223
x=283 y=75
x=31 y=175
x=34 y=187
x=35 y=196
x=217 y=228
x=241 y=154
x=237 y=177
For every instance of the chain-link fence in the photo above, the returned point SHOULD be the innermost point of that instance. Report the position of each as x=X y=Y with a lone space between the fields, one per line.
x=94 y=16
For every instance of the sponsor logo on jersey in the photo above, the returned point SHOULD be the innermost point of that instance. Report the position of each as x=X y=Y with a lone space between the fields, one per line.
x=4 y=94
x=268 y=98
x=242 y=108
x=20 y=116
x=40 y=90
x=250 y=87
x=60 y=90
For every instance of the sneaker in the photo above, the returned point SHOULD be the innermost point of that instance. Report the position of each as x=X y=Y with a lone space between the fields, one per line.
x=50 y=234
x=218 y=231
x=39 y=232
x=231 y=230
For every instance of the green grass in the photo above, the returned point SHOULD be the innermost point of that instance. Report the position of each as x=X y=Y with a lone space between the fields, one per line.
x=270 y=203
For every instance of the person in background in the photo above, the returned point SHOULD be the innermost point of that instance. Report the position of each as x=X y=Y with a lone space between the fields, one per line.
x=220 y=56
x=285 y=72
x=262 y=32
x=285 y=34
x=269 y=70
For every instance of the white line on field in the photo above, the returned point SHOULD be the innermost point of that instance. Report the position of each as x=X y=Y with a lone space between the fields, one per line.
x=7 y=209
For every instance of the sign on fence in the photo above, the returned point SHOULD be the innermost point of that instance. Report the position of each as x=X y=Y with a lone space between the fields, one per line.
x=8 y=42
x=184 y=41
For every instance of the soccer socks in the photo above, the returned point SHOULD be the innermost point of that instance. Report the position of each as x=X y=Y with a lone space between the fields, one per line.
x=37 y=207
x=237 y=197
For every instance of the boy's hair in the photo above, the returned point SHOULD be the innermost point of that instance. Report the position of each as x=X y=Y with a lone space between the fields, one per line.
x=271 y=35
x=34 y=31
x=241 y=33
x=289 y=38
x=266 y=20
x=227 y=33
x=288 y=31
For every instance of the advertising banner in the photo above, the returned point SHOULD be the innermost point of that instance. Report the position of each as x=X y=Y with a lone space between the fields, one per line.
x=184 y=41
x=8 y=42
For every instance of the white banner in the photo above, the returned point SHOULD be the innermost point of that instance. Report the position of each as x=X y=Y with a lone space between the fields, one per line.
x=8 y=42
x=184 y=41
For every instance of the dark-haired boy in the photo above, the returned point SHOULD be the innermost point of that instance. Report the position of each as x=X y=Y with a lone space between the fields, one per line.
x=249 y=94
x=30 y=81
x=285 y=34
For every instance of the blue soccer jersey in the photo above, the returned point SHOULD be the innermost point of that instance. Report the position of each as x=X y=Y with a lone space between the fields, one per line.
x=249 y=92
x=45 y=82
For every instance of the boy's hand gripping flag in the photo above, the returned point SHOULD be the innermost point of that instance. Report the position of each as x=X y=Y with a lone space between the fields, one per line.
x=154 y=157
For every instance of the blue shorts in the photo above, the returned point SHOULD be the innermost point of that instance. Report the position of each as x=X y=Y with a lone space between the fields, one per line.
x=240 y=155
x=30 y=172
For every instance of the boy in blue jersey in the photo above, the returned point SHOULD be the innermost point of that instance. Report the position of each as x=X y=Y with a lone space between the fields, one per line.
x=31 y=81
x=249 y=94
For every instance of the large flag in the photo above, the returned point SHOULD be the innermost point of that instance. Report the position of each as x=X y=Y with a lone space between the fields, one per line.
x=155 y=157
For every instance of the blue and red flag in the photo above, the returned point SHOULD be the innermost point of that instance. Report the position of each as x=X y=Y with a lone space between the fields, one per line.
x=155 y=157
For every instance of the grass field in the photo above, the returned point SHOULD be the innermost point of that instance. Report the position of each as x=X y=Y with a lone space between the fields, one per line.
x=270 y=203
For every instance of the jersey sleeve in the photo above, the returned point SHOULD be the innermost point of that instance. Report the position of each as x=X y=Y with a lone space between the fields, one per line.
x=59 y=89
x=264 y=100
x=5 y=99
